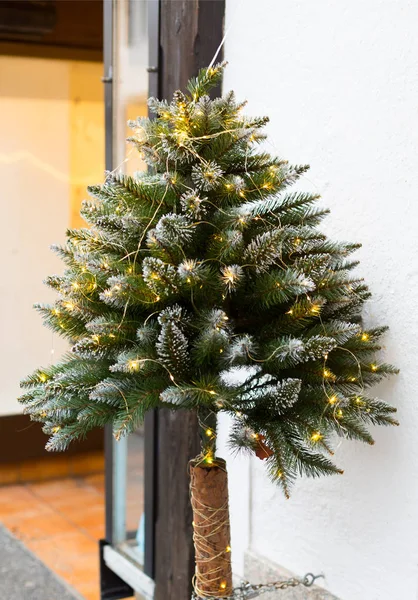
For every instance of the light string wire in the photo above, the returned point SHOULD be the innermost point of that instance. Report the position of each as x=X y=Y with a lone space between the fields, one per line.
x=228 y=29
x=256 y=188
x=197 y=157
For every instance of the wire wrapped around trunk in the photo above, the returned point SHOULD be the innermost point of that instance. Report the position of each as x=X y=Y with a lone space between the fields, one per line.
x=211 y=526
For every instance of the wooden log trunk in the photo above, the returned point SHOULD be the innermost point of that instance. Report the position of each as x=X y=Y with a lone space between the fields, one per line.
x=190 y=33
x=211 y=529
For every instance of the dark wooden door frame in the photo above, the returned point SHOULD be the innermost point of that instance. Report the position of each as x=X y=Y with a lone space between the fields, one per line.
x=190 y=33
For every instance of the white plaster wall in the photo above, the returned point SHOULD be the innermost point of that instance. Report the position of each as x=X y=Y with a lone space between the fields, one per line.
x=339 y=81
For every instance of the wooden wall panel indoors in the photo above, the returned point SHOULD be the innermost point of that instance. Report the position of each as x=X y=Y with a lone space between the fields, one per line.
x=22 y=439
x=23 y=457
x=52 y=28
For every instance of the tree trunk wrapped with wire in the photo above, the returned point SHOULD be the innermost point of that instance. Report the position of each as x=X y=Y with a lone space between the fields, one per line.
x=211 y=528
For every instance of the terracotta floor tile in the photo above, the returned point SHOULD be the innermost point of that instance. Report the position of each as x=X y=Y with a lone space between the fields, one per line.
x=73 y=545
x=76 y=568
x=96 y=532
x=15 y=494
x=81 y=573
x=78 y=577
x=20 y=509
x=70 y=568
x=78 y=515
x=37 y=526
x=61 y=522
x=97 y=482
x=50 y=490
x=76 y=501
x=89 y=592
x=90 y=519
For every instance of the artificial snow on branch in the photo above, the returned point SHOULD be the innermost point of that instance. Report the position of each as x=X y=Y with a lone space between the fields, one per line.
x=206 y=264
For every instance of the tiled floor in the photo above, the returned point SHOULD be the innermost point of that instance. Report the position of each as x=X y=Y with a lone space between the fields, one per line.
x=61 y=522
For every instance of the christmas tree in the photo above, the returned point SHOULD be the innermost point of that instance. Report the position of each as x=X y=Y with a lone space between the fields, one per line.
x=206 y=284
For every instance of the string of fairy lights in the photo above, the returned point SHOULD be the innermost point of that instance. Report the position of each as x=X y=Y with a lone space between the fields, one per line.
x=87 y=284
x=106 y=270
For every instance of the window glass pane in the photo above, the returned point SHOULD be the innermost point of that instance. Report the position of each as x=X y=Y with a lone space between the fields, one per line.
x=131 y=78
x=135 y=517
x=130 y=102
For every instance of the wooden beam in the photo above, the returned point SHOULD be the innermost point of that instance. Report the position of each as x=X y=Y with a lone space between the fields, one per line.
x=23 y=440
x=61 y=26
x=190 y=33
x=24 y=18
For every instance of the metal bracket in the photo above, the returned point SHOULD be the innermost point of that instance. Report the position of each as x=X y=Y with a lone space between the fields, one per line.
x=109 y=77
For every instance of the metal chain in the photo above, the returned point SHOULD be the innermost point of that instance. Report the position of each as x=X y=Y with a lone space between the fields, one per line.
x=247 y=591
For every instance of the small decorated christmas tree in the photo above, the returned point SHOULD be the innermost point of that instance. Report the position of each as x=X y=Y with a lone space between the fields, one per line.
x=206 y=284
